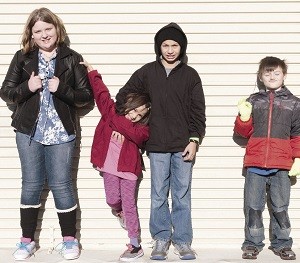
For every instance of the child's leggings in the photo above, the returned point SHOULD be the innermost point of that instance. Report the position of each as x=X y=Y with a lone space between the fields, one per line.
x=121 y=196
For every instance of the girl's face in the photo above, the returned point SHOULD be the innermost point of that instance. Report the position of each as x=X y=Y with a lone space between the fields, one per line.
x=137 y=114
x=273 y=80
x=44 y=35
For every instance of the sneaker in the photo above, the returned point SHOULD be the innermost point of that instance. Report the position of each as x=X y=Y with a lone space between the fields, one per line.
x=121 y=218
x=160 y=250
x=184 y=251
x=69 y=249
x=250 y=252
x=132 y=253
x=24 y=250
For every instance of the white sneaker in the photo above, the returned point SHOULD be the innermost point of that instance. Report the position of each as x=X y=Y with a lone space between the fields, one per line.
x=24 y=250
x=69 y=249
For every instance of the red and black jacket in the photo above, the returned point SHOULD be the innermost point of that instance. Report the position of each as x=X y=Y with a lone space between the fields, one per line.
x=273 y=130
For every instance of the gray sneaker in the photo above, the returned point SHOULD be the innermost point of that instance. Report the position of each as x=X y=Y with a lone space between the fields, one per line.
x=160 y=250
x=132 y=253
x=184 y=251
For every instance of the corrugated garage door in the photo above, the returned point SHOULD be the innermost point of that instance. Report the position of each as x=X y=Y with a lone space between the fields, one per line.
x=226 y=41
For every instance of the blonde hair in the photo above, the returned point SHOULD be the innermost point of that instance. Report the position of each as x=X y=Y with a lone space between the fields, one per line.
x=45 y=15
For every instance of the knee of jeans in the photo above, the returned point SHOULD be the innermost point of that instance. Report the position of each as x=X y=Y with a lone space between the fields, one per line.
x=282 y=219
x=255 y=218
x=255 y=223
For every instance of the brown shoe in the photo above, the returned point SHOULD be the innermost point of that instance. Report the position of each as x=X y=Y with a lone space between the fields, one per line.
x=250 y=252
x=285 y=253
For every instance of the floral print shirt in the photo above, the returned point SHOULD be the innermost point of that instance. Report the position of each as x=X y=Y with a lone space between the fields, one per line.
x=49 y=128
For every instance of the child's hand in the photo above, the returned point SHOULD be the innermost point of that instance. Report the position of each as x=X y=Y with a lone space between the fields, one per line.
x=118 y=136
x=87 y=65
x=295 y=170
x=245 y=109
x=34 y=83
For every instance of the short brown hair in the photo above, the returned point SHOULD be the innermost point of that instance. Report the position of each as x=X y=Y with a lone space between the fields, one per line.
x=270 y=64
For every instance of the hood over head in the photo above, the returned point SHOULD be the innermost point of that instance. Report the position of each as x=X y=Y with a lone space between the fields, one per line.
x=174 y=32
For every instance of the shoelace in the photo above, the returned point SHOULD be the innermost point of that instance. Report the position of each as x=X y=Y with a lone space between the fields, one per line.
x=65 y=245
x=129 y=247
x=160 y=246
x=23 y=246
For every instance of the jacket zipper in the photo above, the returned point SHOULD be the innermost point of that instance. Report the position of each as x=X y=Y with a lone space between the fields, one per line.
x=271 y=96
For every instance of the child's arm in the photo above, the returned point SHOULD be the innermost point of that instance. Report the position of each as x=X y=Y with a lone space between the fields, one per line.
x=134 y=132
x=295 y=140
x=101 y=93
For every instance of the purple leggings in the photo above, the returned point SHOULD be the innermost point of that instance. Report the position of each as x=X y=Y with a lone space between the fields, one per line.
x=121 y=196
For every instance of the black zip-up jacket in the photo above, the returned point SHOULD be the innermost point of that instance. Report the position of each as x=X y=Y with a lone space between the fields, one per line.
x=74 y=89
x=177 y=102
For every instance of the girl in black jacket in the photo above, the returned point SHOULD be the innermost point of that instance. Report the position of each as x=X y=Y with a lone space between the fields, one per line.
x=44 y=85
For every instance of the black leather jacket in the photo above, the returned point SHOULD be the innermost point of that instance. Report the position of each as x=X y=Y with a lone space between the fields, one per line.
x=74 y=89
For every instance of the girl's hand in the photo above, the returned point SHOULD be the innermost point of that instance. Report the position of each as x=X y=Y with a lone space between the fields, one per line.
x=34 y=83
x=87 y=65
x=53 y=84
x=117 y=136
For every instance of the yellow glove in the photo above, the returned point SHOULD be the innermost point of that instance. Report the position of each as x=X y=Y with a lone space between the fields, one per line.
x=295 y=170
x=245 y=109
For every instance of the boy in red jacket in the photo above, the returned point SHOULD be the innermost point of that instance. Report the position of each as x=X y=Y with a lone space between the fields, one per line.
x=270 y=119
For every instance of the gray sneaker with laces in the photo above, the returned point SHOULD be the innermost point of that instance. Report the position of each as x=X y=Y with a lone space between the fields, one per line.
x=184 y=251
x=160 y=250
x=132 y=253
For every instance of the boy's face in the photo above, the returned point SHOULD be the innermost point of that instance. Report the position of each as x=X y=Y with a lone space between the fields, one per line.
x=273 y=80
x=170 y=51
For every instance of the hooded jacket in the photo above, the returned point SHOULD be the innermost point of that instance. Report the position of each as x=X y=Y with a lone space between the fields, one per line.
x=74 y=89
x=177 y=101
x=273 y=130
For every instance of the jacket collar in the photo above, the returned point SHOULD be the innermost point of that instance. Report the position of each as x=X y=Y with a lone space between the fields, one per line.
x=31 y=61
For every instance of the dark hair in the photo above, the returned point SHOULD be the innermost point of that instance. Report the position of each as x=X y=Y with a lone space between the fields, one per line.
x=45 y=15
x=132 y=101
x=270 y=64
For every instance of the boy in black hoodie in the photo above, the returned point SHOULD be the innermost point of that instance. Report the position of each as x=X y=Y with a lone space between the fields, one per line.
x=177 y=127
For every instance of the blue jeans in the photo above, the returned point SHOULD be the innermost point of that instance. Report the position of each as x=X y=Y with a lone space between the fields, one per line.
x=279 y=186
x=46 y=162
x=170 y=173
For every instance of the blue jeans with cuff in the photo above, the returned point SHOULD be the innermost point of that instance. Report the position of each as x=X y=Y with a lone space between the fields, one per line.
x=46 y=162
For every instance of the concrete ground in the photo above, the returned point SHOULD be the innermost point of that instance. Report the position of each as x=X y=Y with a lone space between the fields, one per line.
x=205 y=255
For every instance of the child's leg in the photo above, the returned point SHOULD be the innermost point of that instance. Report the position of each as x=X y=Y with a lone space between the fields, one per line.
x=254 y=203
x=280 y=187
x=112 y=191
x=128 y=195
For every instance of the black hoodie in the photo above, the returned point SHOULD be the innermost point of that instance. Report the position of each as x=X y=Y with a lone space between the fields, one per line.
x=177 y=101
